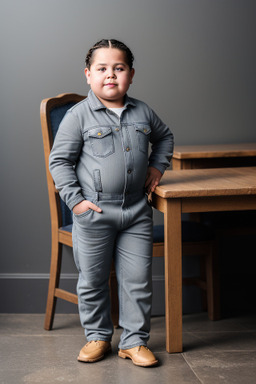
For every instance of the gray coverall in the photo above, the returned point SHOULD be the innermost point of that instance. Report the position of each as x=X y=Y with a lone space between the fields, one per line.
x=103 y=158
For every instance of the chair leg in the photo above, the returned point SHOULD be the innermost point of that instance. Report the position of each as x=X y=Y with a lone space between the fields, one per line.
x=56 y=257
x=213 y=283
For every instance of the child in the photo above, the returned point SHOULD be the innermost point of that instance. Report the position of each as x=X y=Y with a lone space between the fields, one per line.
x=100 y=165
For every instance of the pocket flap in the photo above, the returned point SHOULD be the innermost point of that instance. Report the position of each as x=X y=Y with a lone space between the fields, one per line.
x=143 y=129
x=100 y=132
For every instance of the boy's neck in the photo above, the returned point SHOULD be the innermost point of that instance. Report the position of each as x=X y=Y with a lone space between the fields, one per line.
x=112 y=104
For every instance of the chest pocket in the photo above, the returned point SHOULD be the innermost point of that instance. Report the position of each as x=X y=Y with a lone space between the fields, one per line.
x=143 y=132
x=101 y=140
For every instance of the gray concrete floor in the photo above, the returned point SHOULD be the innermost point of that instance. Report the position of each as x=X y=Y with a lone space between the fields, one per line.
x=214 y=352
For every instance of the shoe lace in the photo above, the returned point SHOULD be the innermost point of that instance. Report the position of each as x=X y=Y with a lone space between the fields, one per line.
x=92 y=341
x=143 y=347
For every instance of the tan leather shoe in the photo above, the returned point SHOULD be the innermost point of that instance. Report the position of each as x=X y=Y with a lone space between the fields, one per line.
x=94 y=351
x=140 y=355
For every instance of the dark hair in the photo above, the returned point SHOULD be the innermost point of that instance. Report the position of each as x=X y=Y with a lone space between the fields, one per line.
x=109 y=44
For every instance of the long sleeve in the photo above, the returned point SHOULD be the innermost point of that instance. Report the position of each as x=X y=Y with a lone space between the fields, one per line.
x=162 y=144
x=63 y=158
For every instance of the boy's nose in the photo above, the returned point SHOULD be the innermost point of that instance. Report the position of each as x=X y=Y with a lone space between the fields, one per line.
x=111 y=74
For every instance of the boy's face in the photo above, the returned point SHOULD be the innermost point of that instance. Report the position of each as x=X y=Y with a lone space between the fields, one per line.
x=109 y=76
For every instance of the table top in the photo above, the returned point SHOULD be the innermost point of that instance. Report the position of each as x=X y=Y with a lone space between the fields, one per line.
x=208 y=182
x=215 y=150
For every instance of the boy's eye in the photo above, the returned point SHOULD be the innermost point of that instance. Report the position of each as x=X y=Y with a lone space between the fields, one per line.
x=119 y=69
x=102 y=69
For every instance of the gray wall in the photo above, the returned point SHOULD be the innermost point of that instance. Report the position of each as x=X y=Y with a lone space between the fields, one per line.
x=195 y=65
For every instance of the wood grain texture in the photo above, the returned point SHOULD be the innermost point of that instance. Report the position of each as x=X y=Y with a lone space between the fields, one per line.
x=208 y=182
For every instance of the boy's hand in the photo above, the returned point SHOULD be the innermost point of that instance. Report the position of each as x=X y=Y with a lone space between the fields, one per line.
x=84 y=206
x=153 y=178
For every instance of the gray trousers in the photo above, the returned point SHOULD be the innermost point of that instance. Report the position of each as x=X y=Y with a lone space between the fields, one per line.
x=123 y=232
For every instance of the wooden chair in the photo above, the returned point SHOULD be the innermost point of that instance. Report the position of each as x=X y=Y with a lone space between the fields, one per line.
x=52 y=111
x=195 y=241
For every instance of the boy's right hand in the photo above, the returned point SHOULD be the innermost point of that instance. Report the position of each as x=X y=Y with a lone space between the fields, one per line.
x=84 y=206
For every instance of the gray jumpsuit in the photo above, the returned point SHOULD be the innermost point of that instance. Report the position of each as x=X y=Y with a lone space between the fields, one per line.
x=103 y=158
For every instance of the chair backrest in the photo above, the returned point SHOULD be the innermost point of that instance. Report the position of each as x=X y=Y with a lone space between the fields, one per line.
x=52 y=111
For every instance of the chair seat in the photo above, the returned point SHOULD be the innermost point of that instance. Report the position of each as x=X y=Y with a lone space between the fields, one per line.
x=67 y=228
x=191 y=231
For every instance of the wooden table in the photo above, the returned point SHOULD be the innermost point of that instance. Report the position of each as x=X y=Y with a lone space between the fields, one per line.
x=214 y=156
x=195 y=190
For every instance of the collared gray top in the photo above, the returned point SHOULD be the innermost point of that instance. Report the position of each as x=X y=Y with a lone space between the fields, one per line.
x=96 y=151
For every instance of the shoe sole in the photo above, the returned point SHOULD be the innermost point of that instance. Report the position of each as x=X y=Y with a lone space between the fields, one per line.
x=85 y=360
x=126 y=356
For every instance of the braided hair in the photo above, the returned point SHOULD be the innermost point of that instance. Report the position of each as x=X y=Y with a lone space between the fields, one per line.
x=109 y=44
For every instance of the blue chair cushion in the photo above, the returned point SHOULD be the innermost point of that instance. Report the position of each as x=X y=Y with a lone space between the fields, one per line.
x=191 y=231
x=56 y=115
x=66 y=214
x=67 y=228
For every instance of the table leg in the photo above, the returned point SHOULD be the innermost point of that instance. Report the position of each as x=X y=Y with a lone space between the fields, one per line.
x=173 y=274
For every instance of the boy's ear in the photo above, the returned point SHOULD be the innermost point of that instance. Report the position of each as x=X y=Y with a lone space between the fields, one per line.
x=132 y=74
x=87 y=74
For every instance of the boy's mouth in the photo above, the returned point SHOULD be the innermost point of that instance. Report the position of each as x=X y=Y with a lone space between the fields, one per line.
x=110 y=85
